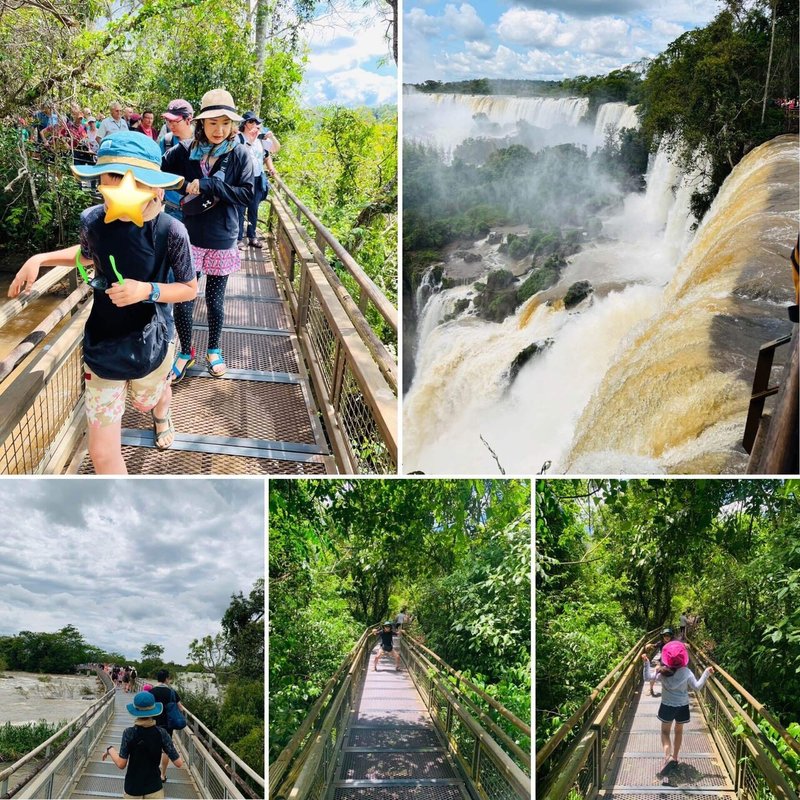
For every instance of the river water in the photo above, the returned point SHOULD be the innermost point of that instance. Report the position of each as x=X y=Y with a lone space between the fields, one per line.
x=661 y=292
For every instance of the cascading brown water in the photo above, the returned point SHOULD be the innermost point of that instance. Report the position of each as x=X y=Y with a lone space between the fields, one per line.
x=675 y=399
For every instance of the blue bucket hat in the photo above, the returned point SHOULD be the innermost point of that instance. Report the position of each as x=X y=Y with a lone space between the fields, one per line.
x=130 y=151
x=144 y=704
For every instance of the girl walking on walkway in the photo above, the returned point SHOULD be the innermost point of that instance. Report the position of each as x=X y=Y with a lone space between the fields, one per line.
x=676 y=680
x=219 y=179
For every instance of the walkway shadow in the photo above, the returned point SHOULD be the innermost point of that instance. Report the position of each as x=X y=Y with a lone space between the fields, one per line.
x=683 y=773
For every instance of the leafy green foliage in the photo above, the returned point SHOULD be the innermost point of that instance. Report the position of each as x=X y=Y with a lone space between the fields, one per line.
x=703 y=94
x=342 y=163
x=346 y=554
x=17 y=741
x=48 y=652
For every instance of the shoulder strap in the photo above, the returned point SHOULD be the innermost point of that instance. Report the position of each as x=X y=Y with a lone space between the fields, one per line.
x=163 y=225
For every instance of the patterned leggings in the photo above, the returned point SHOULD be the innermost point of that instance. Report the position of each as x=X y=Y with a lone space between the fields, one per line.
x=215 y=307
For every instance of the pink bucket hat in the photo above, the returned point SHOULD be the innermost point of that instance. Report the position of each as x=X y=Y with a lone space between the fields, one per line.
x=674 y=655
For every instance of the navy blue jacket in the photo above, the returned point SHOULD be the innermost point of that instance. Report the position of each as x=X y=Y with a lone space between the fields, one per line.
x=230 y=183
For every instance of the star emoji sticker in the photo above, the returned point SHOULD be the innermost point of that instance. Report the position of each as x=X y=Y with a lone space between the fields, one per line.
x=126 y=201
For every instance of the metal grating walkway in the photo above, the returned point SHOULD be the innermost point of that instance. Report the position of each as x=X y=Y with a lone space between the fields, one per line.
x=635 y=773
x=104 y=779
x=259 y=418
x=392 y=750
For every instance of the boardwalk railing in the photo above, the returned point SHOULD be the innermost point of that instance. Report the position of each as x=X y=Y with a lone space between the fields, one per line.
x=494 y=771
x=305 y=766
x=493 y=763
x=737 y=722
x=56 y=777
x=353 y=373
x=753 y=761
x=573 y=759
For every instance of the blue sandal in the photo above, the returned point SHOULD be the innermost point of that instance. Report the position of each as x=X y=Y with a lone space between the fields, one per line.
x=214 y=359
x=178 y=374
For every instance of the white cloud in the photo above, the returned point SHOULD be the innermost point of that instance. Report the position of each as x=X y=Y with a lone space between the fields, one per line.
x=529 y=27
x=349 y=60
x=667 y=30
x=128 y=562
x=463 y=21
x=353 y=87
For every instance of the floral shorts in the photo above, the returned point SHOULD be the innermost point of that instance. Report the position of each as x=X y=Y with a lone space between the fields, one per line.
x=105 y=399
x=216 y=262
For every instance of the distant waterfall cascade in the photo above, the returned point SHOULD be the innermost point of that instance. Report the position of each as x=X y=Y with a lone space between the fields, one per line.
x=616 y=115
x=676 y=396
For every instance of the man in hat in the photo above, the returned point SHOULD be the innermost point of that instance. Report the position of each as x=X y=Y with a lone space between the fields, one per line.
x=141 y=749
x=386 y=647
x=129 y=336
x=178 y=120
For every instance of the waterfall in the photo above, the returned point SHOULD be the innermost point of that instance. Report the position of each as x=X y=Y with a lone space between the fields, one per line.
x=446 y=120
x=648 y=365
x=676 y=396
x=617 y=115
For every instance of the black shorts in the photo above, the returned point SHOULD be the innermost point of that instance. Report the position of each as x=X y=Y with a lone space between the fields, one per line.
x=677 y=714
x=386 y=649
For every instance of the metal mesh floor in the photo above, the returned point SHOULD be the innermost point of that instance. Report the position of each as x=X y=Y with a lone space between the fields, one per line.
x=701 y=773
x=245 y=351
x=383 y=719
x=650 y=742
x=241 y=313
x=397 y=737
x=374 y=766
x=237 y=408
x=399 y=793
x=145 y=460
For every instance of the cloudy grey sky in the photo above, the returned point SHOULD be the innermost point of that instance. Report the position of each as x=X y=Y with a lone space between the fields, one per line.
x=127 y=561
x=543 y=39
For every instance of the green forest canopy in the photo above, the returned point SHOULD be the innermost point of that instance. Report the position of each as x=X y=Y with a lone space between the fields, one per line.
x=617 y=558
x=345 y=554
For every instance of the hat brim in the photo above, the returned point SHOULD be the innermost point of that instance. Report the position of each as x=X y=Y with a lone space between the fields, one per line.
x=147 y=712
x=231 y=115
x=154 y=178
x=175 y=117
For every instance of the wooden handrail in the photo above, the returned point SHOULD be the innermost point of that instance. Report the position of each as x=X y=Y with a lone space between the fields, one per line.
x=501 y=709
x=755 y=704
x=550 y=745
x=379 y=300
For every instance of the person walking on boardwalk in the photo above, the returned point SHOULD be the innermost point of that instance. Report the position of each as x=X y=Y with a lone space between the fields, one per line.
x=142 y=264
x=676 y=680
x=401 y=619
x=386 y=647
x=141 y=749
x=164 y=694
x=666 y=637
x=219 y=179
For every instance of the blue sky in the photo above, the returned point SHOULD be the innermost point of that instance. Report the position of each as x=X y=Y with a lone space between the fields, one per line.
x=454 y=40
x=349 y=62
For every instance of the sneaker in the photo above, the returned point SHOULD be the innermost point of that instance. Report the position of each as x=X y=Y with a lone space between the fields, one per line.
x=242 y=244
x=256 y=243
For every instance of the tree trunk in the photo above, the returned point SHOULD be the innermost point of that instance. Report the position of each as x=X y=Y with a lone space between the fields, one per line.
x=769 y=63
x=260 y=52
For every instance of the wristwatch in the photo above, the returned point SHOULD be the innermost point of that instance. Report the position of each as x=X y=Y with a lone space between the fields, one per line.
x=155 y=294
